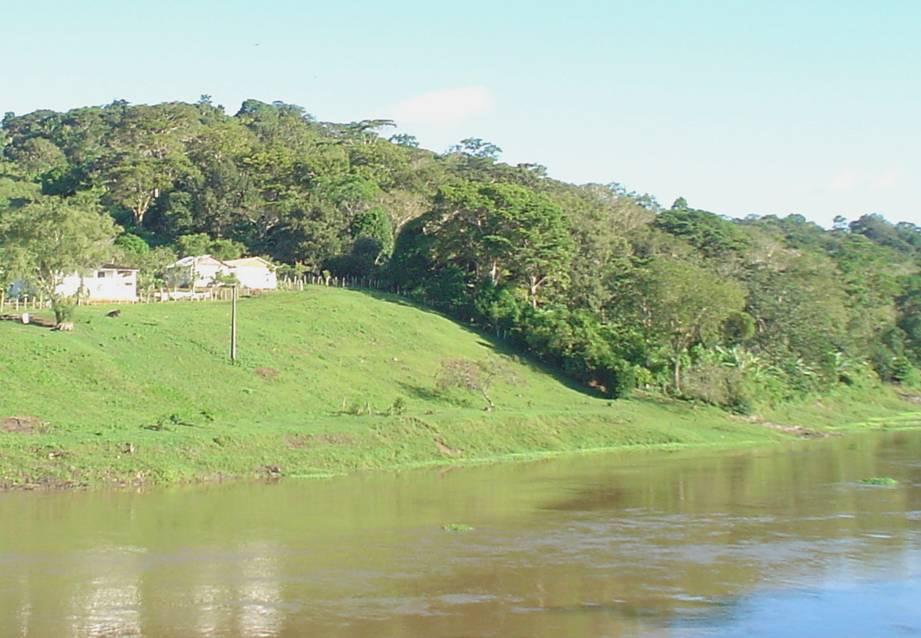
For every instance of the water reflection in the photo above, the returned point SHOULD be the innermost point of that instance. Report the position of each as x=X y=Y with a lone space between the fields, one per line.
x=607 y=545
x=108 y=600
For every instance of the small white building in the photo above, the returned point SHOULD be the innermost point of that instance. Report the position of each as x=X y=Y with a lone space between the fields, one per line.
x=254 y=273
x=196 y=272
x=108 y=282
x=204 y=271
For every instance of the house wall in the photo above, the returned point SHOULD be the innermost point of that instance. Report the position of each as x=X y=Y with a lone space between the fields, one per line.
x=256 y=278
x=102 y=285
x=118 y=285
x=114 y=285
x=206 y=273
x=200 y=275
x=201 y=272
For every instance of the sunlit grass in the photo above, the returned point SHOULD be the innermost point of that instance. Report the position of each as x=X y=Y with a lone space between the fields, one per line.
x=327 y=381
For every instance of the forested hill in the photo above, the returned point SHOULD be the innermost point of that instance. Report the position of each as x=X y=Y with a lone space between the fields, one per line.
x=605 y=284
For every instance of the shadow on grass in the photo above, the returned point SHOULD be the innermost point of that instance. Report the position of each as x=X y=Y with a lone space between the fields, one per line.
x=432 y=394
x=494 y=343
x=666 y=402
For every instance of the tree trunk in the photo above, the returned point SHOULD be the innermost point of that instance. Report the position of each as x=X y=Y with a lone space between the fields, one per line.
x=143 y=204
x=677 y=379
x=533 y=288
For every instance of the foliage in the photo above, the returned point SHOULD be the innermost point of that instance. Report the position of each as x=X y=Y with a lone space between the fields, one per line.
x=712 y=235
x=879 y=480
x=595 y=280
x=226 y=249
x=473 y=376
x=802 y=316
x=718 y=385
x=501 y=231
x=50 y=238
x=457 y=528
x=680 y=304
x=198 y=244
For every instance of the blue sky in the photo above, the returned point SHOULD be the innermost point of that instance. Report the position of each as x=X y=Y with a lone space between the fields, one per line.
x=740 y=106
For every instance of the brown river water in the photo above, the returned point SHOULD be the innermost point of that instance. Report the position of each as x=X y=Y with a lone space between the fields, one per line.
x=778 y=541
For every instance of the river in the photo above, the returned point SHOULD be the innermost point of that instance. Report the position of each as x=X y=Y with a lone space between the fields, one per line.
x=778 y=541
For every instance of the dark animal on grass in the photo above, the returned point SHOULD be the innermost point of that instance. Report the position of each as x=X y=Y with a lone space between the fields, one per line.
x=113 y=313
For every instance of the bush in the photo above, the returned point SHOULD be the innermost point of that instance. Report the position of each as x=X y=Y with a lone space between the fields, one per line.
x=718 y=385
x=63 y=310
x=739 y=327
x=905 y=373
x=621 y=379
x=472 y=376
x=226 y=249
x=132 y=245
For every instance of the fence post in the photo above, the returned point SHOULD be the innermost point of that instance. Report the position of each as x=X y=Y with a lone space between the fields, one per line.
x=233 y=324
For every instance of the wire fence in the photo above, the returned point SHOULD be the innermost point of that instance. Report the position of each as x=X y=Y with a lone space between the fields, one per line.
x=356 y=283
x=24 y=303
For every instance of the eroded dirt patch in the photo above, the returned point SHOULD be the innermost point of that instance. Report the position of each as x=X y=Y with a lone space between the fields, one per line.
x=793 y=430
x=447 y=450
x=910 y=397
x=23 y=425
x=269 y=374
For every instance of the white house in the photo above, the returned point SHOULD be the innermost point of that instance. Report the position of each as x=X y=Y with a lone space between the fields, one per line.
x=108 y=282
x=196 y=272
x=254 y=273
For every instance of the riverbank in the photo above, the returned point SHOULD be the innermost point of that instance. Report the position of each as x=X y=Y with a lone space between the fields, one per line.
x=327 y=382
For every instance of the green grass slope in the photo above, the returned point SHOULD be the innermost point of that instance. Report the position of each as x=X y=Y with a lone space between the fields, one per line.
x=150 y=396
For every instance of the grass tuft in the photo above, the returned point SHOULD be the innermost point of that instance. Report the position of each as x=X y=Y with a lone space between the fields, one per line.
x=879 y=480
x=457 y=528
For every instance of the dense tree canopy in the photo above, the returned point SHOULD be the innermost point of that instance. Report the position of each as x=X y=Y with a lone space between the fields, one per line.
x=601 y=282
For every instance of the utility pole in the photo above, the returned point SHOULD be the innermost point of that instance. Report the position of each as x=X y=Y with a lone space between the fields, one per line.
x=233 y=324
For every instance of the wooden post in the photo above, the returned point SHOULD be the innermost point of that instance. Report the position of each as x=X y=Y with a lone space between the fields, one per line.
x=233 y=324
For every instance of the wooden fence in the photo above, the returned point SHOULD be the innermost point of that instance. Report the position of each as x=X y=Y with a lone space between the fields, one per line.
x=355 y=283
x=23 y=303
x=27 y=303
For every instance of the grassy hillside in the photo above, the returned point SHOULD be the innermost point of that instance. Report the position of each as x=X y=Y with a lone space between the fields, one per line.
x=327 y=381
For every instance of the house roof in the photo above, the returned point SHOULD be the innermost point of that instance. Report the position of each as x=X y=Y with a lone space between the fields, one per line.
x=116 y=267
x=197 y=260
x=252 y=262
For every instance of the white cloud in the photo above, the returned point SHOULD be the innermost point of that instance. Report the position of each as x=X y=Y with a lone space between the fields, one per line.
x=444 y=108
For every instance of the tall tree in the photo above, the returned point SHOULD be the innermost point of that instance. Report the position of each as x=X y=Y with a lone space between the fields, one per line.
x=801 y=313
x=504 y=232
x=681 y=304
x=50 y=238
x=148 y=154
